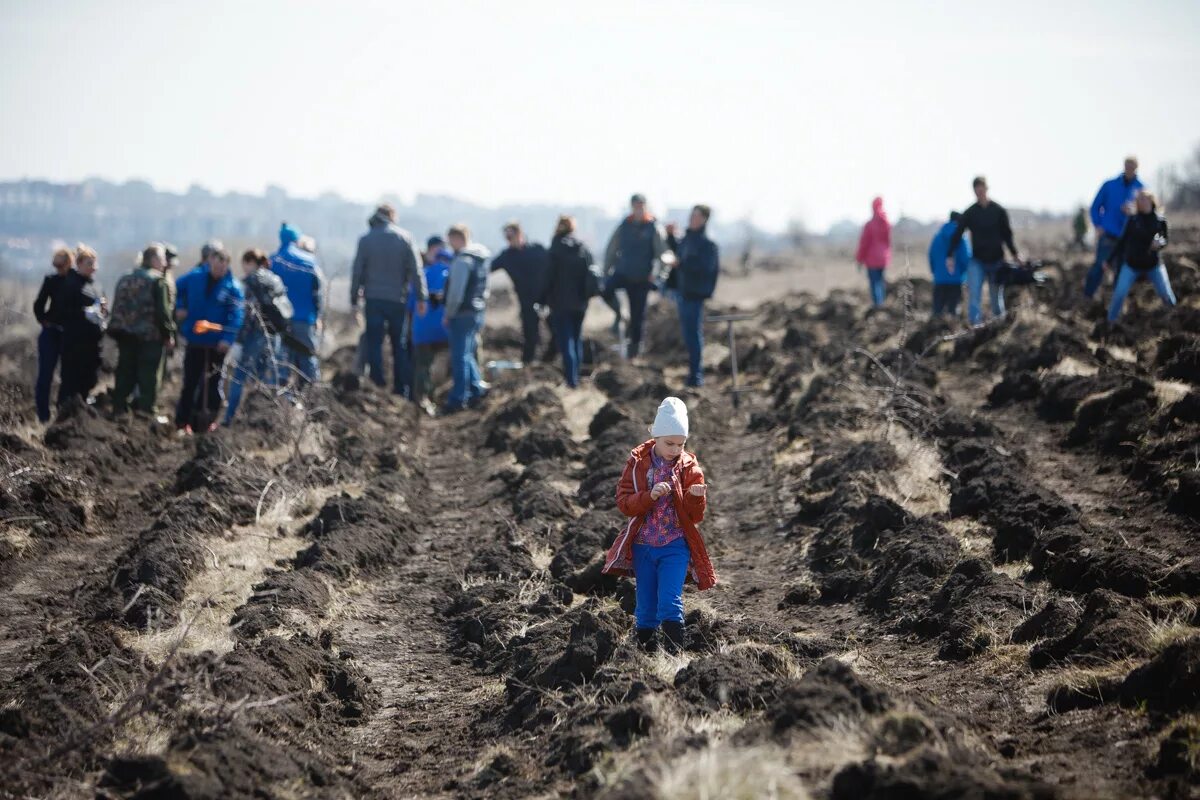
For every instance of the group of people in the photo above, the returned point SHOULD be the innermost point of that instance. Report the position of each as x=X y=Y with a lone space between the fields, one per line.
x=1130 y=233
x=265 y=327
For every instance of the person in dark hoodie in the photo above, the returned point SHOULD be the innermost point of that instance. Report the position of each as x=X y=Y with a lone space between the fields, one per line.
x=526 y=263
x=258 y=352
x=386 y=266
x=567 y=294
x=210 y=308
x=1136 y=251
x=466 y=303
x=305 y=282
x=631 y=260
x=697 y=266
x=83 y=328
x=50 y=308
x=991 y=232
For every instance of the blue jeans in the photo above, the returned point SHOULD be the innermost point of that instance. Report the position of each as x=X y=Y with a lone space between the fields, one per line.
x=977 y=272
x=660 y=573
x=691 y=320
x=1095 y=276
x=306 y=366
x=259 y=361
x=878 y=286
x=568 y=333
x=387 y=318
x=464 y=368
x=1125 y=280
x=49 y=349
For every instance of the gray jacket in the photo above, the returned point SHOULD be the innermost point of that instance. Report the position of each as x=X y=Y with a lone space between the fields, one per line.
x=386 y=265
x=467 y=285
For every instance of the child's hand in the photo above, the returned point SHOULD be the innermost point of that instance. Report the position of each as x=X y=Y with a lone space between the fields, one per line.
x=697 y=490
x=659 y=490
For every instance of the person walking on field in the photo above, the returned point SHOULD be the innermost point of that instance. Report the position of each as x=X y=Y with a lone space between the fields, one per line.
x=386 y=266
x=875 y=251
x=663 y=493
x=83 y=328
x=696 y=268
x=948 y=273
x=466 y=302
x=631 y=259
x=991 y=232
x=50 y=309
x=526 y=264
x=305 y=282
x=143 y=325
x=258 y=352
x=1112 y=206
x=210 y=308
x=1079 y=226
x=429 y=336
x=569 y=287
x=1136 y=253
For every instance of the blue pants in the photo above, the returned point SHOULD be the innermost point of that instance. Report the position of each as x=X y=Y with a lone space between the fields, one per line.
x=1095 y=276
x=260 y=362
x=306 y=366
x=878 y=286
x=977 y=272
x=464 y=367
x=49 y=348
x=1125 y=280
x=638 y=292
x=659 y=573
x=568 y=333
x=387 y=318
x=691 y=320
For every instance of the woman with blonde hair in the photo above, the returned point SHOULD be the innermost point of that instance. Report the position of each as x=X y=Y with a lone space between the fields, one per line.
x=50 y=309
x=1136 y=252
x=569 y=287
x=83 y=328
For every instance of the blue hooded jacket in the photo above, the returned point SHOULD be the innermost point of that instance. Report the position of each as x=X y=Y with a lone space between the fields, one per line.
x=429 y=329
x=937 y=256
x=224 y=303
x=1107 y=215
x=301 y=276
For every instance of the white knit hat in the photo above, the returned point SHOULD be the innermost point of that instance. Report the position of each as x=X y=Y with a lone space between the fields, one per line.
x=671 y=419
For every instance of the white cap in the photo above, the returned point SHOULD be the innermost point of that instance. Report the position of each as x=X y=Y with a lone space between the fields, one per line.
x=671 y=419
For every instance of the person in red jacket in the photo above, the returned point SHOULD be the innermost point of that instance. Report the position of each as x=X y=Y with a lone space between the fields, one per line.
x=875 y=250
x=663 y=493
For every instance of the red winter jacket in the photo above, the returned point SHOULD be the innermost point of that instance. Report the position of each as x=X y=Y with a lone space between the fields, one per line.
x=633 y=498
x=875 y=244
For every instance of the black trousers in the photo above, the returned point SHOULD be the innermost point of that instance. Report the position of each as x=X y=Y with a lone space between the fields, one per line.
x=201 y=392
x=80 y=361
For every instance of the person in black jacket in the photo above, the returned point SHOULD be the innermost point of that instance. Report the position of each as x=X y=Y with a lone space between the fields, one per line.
x=695 y=270
x=83 y=328
x=526 y=264
x=1136 y=251
x=990 y=234
x=49 y=308
x=567 y=294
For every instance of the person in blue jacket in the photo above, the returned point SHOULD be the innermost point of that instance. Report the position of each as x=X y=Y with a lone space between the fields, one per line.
x=429 y=335
x=947 y=284
x=305 y=283
x=207 y=294
x=1112 y=206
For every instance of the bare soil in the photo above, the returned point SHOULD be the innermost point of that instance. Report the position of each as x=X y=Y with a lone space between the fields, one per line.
x=952 y=563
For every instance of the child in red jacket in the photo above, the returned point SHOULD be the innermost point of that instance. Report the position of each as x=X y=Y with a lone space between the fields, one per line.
x=662 y=491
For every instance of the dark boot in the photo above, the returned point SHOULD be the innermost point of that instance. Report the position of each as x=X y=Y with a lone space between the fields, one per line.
x=647 y=639
x=673 y=637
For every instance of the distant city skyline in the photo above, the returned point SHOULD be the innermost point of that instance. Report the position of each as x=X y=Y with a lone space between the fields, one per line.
x=766 y=110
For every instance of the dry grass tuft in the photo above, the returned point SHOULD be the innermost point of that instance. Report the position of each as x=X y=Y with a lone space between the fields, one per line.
x=723 y=772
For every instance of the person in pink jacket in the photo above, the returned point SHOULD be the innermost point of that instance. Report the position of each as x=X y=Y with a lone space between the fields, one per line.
x=875 y=250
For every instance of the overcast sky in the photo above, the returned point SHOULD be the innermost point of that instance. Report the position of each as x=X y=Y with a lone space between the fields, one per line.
x=768 y=109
